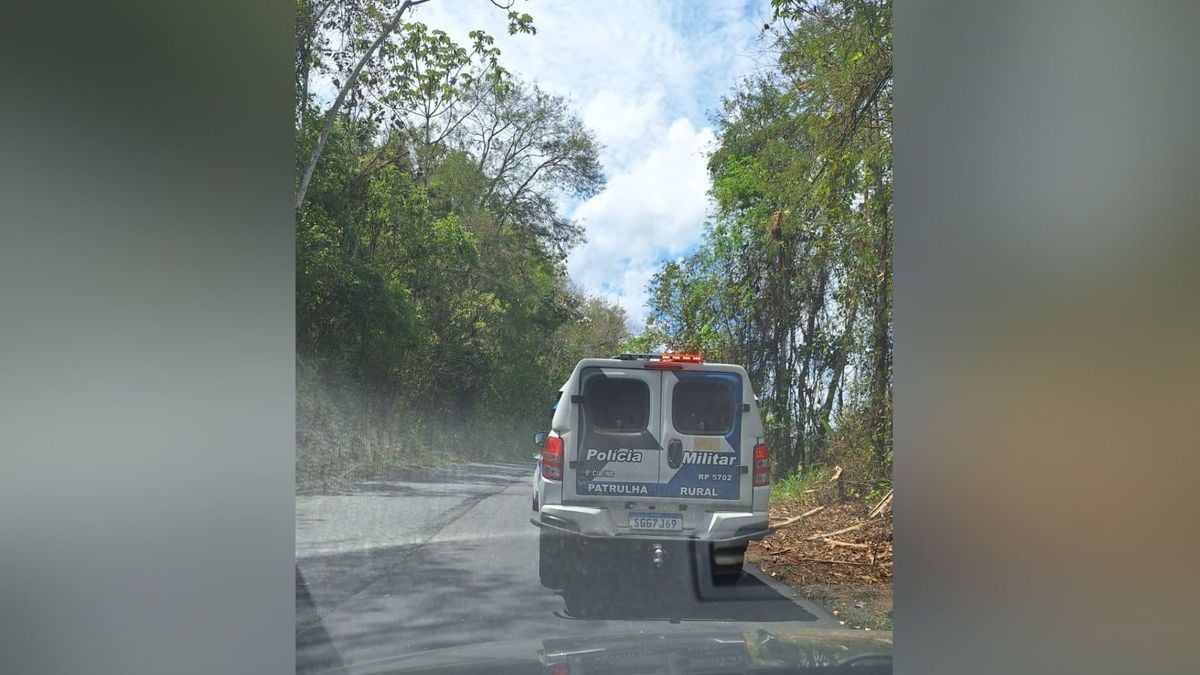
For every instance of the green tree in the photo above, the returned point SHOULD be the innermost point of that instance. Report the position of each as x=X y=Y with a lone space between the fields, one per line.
x=369 y=54
x=431 y=285
x=596 y=328
x=794 y=277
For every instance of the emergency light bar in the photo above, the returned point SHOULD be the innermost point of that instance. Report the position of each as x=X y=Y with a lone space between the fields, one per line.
x=681 y=358
x=668 y=357
x=666 y=361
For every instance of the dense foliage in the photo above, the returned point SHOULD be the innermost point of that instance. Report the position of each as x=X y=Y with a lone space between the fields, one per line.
x=794 y=277
x=433 y=314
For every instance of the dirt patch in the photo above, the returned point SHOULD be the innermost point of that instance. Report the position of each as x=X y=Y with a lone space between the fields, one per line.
x=849 y=574
x=868 y=607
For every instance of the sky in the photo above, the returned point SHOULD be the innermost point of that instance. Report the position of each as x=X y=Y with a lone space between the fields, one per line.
x=644 y=76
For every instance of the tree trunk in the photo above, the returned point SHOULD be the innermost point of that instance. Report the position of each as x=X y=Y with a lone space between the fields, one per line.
x=816 y=302
x=881 y=332
x=839 y=366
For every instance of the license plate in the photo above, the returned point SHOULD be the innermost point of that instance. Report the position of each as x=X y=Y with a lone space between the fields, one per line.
x=655 y=521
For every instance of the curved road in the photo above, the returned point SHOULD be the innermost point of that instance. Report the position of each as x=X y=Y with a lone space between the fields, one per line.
x=441 y=558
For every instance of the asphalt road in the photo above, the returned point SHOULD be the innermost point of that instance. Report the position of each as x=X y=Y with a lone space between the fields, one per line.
x=444 y=558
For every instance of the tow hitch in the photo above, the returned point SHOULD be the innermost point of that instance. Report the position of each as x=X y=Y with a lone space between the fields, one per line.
x=657 y=555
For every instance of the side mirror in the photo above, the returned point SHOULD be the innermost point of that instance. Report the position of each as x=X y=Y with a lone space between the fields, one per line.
x=537 y=456
x=539 y=439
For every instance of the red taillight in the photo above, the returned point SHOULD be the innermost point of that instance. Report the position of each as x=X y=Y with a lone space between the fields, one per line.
x=762 y=466
x=681 y=358
x=552 y=458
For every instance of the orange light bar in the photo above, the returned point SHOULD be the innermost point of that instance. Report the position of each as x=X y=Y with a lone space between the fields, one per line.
x=681 y=358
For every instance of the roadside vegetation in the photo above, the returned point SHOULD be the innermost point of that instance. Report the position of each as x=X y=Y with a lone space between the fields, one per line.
x=794 y=277
x=794 y=281
x=434 y=319
x=434 y=316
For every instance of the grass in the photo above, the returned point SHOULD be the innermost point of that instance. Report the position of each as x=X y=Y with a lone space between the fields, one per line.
x=792 y=487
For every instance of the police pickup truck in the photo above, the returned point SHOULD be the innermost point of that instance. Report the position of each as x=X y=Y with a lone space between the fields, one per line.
x=649 y=454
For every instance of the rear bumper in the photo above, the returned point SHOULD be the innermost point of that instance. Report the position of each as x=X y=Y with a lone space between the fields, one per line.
x=742 y=535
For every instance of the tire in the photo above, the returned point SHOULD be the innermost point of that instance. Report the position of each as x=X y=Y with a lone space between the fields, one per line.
x=535 y=502
x=726 y=574
x=730 y=573
x=552 y=571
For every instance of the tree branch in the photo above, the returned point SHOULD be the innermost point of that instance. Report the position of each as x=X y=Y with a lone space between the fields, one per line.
x=331 y=115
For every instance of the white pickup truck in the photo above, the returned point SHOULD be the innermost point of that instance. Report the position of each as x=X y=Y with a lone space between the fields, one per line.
x=646 y=454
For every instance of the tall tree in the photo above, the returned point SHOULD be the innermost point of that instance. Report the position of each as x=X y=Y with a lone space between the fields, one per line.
x=366 y=33
x=430 y=276
x=794 y=278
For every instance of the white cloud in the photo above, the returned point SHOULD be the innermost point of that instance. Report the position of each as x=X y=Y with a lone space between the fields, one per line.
x=642 y=75
x=652 y=210
x=623 y=124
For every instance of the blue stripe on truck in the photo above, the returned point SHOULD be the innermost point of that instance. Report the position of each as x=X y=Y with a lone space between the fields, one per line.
x=705 y=481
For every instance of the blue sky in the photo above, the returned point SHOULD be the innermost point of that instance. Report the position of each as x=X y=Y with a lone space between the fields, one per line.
x=644 y=76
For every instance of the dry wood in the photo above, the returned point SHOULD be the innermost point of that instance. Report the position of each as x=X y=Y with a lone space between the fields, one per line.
x=802 y=516
x=781 y=551
x=844 y=530
x=881 y=506
x=836 y=479
x=833 y=543
x=835 y=562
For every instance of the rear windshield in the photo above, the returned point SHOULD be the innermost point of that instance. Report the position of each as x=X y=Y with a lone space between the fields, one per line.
x=702 y=408
x=616 y=404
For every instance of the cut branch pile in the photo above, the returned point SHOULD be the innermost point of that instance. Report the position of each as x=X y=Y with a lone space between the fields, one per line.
x=844 y=530
x=832 y=545
x=799 y=518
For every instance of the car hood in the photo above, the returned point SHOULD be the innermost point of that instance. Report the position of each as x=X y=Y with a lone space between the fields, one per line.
x=798 y=650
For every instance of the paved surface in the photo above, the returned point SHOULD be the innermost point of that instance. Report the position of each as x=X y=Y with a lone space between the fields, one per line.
x=444 y=558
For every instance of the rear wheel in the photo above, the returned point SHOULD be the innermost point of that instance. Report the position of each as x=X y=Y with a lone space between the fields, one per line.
x=727 y=564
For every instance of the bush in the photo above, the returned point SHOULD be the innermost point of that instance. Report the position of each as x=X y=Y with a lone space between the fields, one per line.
x=851 y=446
x=794 y=485
x=344 y=433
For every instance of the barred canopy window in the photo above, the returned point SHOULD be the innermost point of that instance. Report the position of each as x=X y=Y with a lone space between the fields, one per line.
x=616 y=404
x=703 y=408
